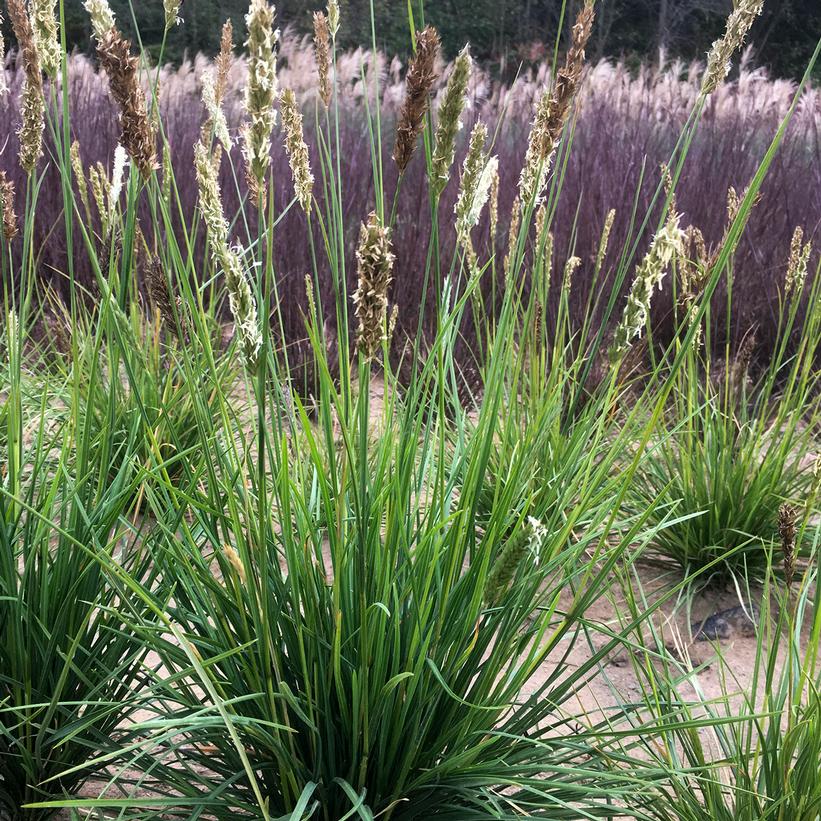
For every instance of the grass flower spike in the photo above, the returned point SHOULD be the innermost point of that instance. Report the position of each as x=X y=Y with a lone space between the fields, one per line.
x=449 y=122
x=552 y=113
x=375 y=265
x=474 y=188
x=240 y=297
x=216 y=116
x=260 y=94
x=7 y=211
x=738 y=24
x=46 y=36
x=122 y=68
x=4 y=89
x=33 y=104
x=797 y=263
x=102 y=18
x=296 y=149
x=787 y=516
x=667 y=243
x=419 y=82
x=322 y=50
x=172 y=13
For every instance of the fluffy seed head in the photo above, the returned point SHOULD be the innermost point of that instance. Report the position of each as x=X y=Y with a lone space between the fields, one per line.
x=570 y=268
x=122 y=69
x=33 y=104
x=375 y=264
x=46 y=37
x=667 y=243
x=296 y=149
x=79 y=175
x=449 y=120
x=240 y=297
x=7 y=207
x=322 y=49
x=102 y=18
x=552 y=113
x=420 y=80
x=738 y=24
x=260 y=93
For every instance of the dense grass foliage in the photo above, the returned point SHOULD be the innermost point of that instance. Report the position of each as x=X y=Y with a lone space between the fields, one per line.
x=312 y=492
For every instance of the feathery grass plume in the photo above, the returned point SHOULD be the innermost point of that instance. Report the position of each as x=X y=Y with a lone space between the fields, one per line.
x=738 y=24
x=529 y=539
x=296 y=149
x=797 y=263
x=260 y=94
x=4 y=88
x=374 y=267
x=552 y=113
x=33 y=103
x=172 y=13
x=80 y=176
x=333 y=18
x=216 y=121
x=605 y=238
x=667 y=243
x=46 y=36
x=122 y=69
x=787 y=516
x=420 y=80
x=234 y=560
x=240 y=297
x=223 y=60
x=322 y=49
x=102 y=18
x=7 y=207
x=449 y=120
x=474 y=185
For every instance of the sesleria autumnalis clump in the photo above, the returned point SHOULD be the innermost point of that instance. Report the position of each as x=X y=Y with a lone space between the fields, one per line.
x=296 y=149
x=667 y=244
x=260 y=94
x=9 y=216
x=122 y=68
x=374 y=270
x=738 y=24
x=552 y=113
x=419 y=82
x=240 y=297
x=449 y=120
x=322 y=50
x=46 y=35
x=33 y=103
